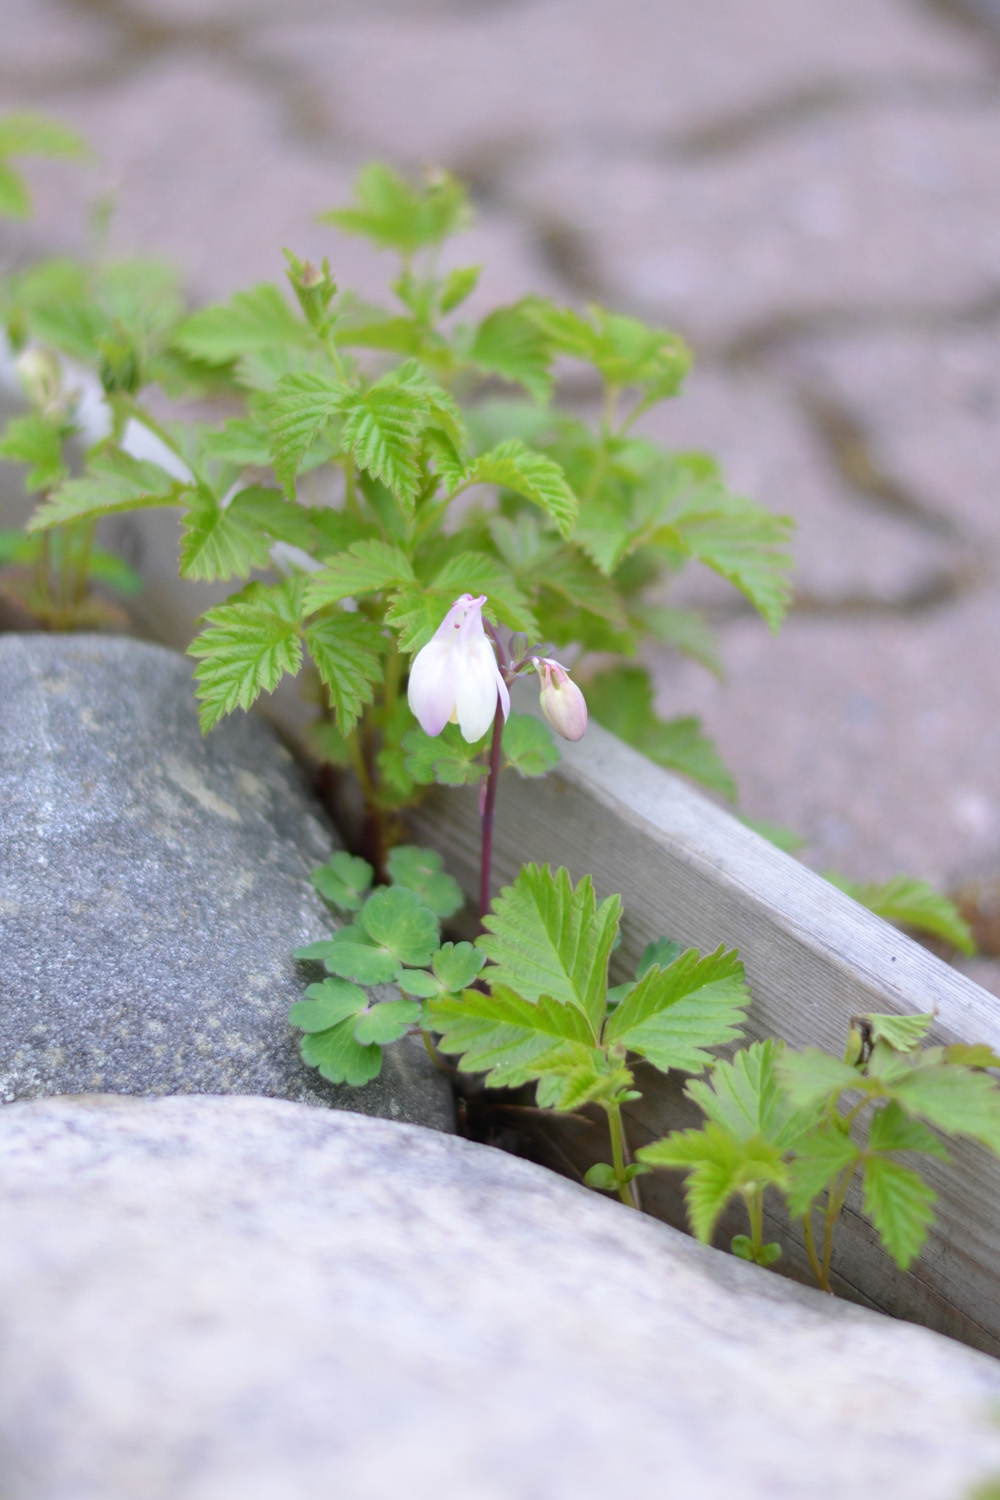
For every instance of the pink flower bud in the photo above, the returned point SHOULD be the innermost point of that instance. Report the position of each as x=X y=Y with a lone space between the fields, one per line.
x=455 y=677
x=563 y=704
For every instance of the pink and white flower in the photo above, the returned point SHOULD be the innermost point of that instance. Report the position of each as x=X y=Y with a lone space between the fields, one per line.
x=455 y=678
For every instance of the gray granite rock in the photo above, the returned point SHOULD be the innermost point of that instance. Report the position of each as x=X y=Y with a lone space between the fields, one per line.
x=242 y=1299
x=153 y=886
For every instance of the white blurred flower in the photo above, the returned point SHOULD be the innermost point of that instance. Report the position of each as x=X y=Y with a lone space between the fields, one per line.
x=455 y=677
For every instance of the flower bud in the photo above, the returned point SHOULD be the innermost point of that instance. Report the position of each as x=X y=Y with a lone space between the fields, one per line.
x=563 y=704
x=41 y=376
x=314 y=287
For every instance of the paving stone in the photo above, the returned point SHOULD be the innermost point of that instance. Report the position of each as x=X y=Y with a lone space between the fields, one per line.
x=446 y=88
x=43 y=39
x=930 y=401
x=875 y=737
x=221 y=1298
x=894 y=206
x=845 y=550
x=153 y=888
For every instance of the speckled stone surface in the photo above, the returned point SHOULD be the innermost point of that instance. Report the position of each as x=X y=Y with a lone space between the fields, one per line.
x=243 y=1299
x=153 y=886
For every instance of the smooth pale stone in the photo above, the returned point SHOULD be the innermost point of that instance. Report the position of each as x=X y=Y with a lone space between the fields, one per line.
x=154 y=884
x=244 y=1299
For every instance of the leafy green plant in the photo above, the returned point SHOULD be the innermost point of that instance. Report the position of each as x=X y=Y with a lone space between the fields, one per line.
x=809 y=1125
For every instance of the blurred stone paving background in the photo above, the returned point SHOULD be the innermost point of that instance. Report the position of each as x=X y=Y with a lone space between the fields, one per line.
x=809 y=192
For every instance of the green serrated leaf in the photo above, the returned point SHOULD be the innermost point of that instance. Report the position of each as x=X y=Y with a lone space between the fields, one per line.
x=397 y=216
x=347 y=650
x=718 y=1168
x=509 y=344
x=458 y=285
x=476 y=573
x=820 y=1157
x=508 y=1037
x=745 y=1097
x=344 y=880
x=661 y=954
x=537 y=478
x=422 y=871
x=329 y=1003
x=366 y=567
x=673 y=1016
x=253 y=320
x=902 y=1032
x=899 y=1204
x=892 y=1129
x=217 y=542
x=546 y=937
x=811 y=1075
x=37 y=440
x=913 y=904
x=247 y=648
x=528 y=746
x=960 y=1101
x=382 y=428
x=114 y=482
x=301 y=407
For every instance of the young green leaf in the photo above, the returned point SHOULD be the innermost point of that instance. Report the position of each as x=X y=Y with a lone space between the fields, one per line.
x=446 y=759
x=958 y=1100
x=892 y=1129
x=509 y=343
x=37 y=440
x=367 y=567
x=344 y=880
x=456 y=965
x=347 y=650
x=457 y=286
x=820 y=1157
x=352 y=954
x=899 y=1204
x=219 y=542
x=382 y=428
x=745 y=1097
x=545 y=937
x=660 y=953
x=902 y=1032
x=259 y=318
x=340 y=1058
x=672 y=1016
x=539 y=479
x=386 y=1021
x=421 y=871
x=528 y=746
x=115 y=481
x=396 y=920
x=508 y=1037
x=397 y=216
x=300 y=408
x=247 y=648
x=719 y=1166
x=810 y=1076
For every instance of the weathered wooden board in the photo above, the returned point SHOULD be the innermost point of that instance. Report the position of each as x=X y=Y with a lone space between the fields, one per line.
x=814 y=958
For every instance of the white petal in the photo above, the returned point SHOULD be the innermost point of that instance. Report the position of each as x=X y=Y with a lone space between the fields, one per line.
x=431 y=690
x=476 y=689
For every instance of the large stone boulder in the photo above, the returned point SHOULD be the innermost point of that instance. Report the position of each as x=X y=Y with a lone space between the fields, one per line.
x=243 y=1299
x=153 y=886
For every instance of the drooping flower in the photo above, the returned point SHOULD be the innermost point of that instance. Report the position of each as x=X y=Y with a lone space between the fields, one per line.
x=563 y=704
x=455 y=678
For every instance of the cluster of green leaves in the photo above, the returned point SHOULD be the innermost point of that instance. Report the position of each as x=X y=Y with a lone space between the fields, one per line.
x=808 y=1124
x=373 y=461
x=27 y=134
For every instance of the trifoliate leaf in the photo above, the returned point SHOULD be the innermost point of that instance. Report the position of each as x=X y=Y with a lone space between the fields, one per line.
x=300 y=408
x=247 y=648
x=347 y=650
x=446 y=759
x=396 y=920
x=353 y=954
x=418 y=982
x=913 y=904
x=340 y=1058
x=329 y=1003
x=745 y=1097
x=718 y=1166
x=37 y=440
x=114 y=481
x=899 y=1204
x=506 y=1036
x=546 y=937
x=672 y=1016
x=344 y=880
x=528 y=746
x=902 y=1032
x=957 y=1100
x=256 y=319
x=386 y=1021
x=397 y=216
x=509 y=344
x=811 y=1076
x=367 y=567
x=621 y=699
x=421 y=871
x=538 y=478
x=456 y=966
x=820 y=1157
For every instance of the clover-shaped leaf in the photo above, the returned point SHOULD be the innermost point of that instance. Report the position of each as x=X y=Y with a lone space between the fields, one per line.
x=343 y=880
x=420 y=870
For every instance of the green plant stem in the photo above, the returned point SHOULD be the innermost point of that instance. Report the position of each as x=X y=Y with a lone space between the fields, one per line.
x=834 y=1204
x=810 y=1241
x=755 y=1213
x=616 y=1129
